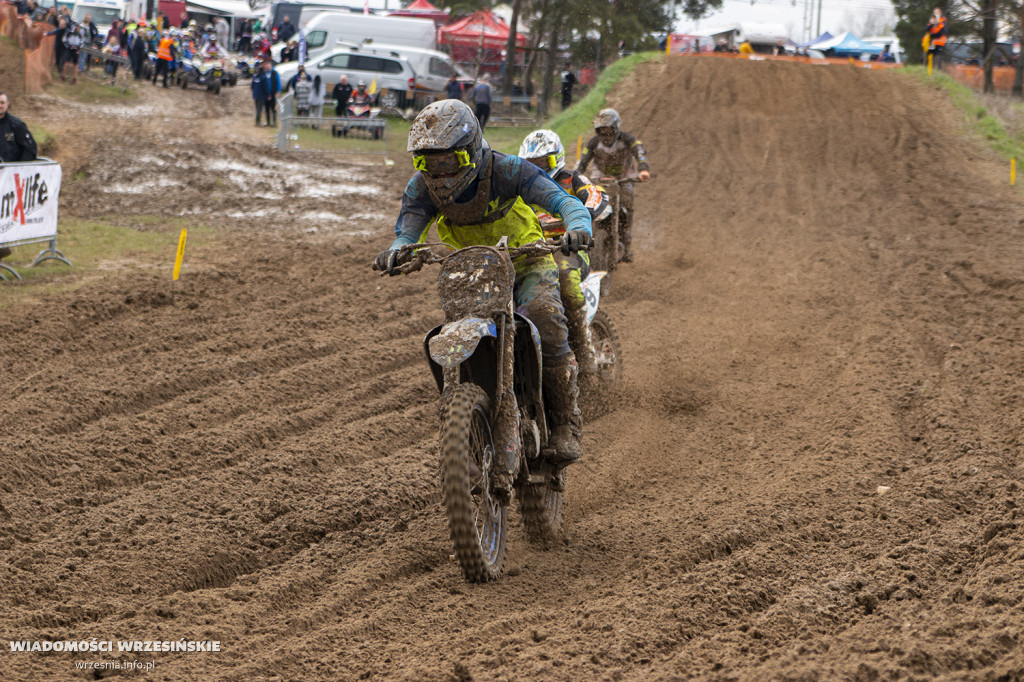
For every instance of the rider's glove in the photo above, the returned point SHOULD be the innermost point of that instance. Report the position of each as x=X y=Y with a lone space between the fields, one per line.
x=386 y=261
x=576 y=240
x=645 y=175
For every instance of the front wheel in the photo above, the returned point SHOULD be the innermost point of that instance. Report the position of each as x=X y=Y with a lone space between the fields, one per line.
x=476 y=518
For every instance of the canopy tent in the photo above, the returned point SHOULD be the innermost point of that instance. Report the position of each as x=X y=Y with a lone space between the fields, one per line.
x=814 y=42
x=847 y=44
x=422 y=9
x=480 y=30
x=221 y=8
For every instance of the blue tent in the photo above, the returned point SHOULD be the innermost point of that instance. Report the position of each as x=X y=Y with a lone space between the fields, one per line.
x=847 y=44
x=820 y=39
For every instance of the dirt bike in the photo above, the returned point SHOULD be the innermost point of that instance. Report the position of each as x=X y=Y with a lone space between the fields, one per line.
x=607 y=251
x=600 y=334
x=486 y=360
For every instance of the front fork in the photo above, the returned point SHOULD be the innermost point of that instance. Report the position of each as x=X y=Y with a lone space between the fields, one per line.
x=505 y=417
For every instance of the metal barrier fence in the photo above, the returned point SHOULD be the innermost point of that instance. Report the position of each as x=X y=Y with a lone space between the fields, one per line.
x=98 y=58
x=330 y=134
x=515 y=111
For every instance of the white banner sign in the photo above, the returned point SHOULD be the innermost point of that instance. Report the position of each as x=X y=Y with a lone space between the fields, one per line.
x=28 y=201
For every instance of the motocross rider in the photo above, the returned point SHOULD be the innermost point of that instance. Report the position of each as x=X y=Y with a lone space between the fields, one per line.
x=617 y=154
x=544 y=149
x=361 y=97
x=477 y=196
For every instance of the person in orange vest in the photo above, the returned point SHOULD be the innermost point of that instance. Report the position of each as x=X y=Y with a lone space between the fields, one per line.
x=937 y=37
x=164 y=57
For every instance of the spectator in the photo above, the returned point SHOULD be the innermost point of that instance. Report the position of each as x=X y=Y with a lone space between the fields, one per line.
x=113 y=48
x=482 y=93
x=454 y=88
x=265 y=86
x=290 y=52
x=16 y=142
x=223 y=32
x=341 y=94
x=74 y=39
x=245 y=38
x=165 y=54
x=138 y=51
x=721 y=45
x=90 y=41
x=302 y=86
x=568 y=81
x=316 y=99
x=286 y=30
x=59 y=51
x=937 y=33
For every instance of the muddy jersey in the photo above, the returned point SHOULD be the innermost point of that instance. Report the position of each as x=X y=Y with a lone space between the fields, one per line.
x=625 y=158
x=579 y=186
x=514 y=186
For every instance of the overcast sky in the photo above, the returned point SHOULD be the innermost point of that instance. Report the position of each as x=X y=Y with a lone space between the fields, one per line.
x=836 y=15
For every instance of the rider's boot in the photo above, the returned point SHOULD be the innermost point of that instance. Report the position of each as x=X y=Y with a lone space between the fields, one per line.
x=584 y=346
x=560 y=394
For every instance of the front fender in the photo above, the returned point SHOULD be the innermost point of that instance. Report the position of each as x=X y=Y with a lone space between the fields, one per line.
x=452 y=344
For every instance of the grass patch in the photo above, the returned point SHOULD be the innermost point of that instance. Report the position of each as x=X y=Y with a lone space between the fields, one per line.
x=979 y=119
x=96 y=247
x=578 y=119
x=46 y=142
x=91 y=90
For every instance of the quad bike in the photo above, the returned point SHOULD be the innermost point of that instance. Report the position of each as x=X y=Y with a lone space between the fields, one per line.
x=486 y=360
x=248 y=66
x=359 y=110
x=208 y=73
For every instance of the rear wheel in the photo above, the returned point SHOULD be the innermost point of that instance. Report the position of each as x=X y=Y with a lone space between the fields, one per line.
x=597 y=389
x=476 y=518
x=541 y=509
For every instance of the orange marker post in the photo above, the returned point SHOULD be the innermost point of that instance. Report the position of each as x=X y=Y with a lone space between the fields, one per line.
x=181 y=253
x=579 y=148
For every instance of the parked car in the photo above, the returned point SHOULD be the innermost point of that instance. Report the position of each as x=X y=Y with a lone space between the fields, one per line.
x=393 y=74
x=433 y=68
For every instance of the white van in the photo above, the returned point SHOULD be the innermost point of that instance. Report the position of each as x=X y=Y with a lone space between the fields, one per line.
x=433 y=68
x=324 y=31
x=103 y=13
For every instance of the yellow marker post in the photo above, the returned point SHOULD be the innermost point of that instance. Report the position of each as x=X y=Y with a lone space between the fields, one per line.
x=668 y=44
x=1013 y=172
x=579 y=148
x=930 y=56
x=181 y=253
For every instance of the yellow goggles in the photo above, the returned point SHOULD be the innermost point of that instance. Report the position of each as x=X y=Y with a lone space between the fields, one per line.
x=442 y=164
x=545 y=163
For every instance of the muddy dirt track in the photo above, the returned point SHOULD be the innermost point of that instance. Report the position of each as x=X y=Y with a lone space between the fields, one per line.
x=826 y=300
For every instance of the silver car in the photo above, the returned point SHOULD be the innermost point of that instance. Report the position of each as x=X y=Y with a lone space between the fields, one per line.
x=396 y=80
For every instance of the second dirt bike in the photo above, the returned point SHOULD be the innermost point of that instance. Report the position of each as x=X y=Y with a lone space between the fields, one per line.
x=608 y=248
x=486 y=360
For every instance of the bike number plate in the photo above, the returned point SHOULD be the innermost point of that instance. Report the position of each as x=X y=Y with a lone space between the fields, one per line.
x=591 y=288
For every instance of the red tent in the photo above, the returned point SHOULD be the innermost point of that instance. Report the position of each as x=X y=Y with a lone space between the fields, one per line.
x=480 y=29
x=422 y=9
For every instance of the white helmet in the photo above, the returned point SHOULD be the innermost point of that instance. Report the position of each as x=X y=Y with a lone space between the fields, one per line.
x=544 y=149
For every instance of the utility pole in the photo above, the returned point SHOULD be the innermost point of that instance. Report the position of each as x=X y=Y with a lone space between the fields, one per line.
x=819 y=19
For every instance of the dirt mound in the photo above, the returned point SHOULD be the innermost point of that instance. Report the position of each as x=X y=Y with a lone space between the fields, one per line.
x=813 y=471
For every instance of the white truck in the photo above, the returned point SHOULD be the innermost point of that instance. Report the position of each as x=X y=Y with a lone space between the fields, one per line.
x=326 y=30
x=103 y=13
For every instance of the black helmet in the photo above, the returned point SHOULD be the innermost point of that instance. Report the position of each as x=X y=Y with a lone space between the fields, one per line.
x=606 y=123
x=447 y=147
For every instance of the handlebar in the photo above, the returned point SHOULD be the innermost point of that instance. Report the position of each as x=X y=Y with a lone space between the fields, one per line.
x=412 y=257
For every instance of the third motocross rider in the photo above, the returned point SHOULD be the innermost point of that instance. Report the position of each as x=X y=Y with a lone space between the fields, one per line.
x=620 y=155
x=544 y=149
x=477 y=196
